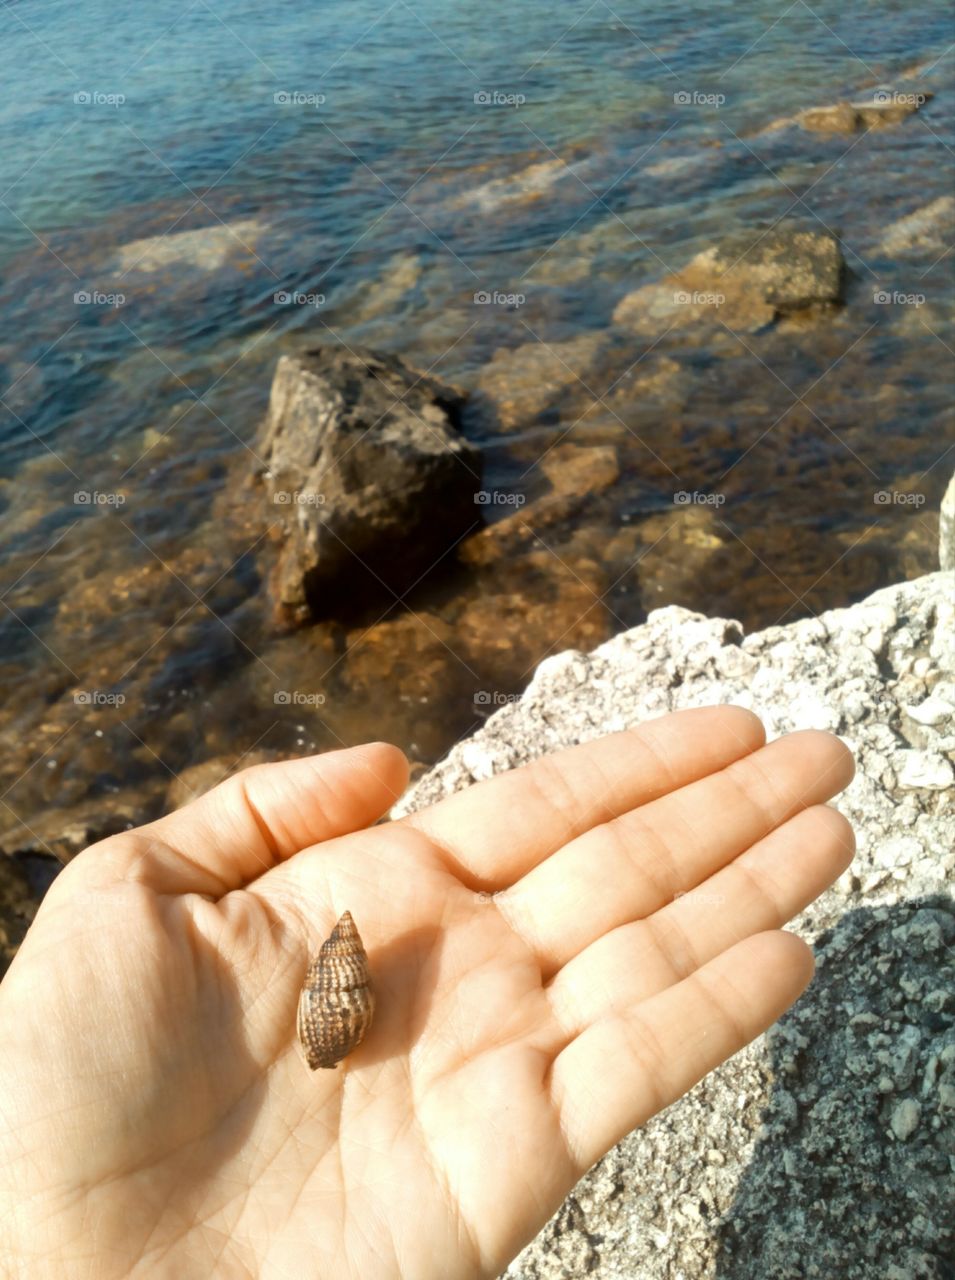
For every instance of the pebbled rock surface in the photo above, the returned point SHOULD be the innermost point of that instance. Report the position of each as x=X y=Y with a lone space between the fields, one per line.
x=367 y=475
x=826 y=1148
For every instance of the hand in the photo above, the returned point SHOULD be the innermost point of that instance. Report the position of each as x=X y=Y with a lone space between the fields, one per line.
x=557 y=953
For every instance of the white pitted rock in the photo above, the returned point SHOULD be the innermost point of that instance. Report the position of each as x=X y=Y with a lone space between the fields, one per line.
x=800 y=1118
x=946 y=528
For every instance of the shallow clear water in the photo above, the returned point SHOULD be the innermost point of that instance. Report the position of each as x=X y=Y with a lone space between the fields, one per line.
x=349 y=156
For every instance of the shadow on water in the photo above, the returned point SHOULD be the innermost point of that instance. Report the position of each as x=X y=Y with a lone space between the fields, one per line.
x=851 y=1174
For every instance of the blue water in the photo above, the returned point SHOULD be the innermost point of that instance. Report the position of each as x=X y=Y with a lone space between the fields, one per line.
x=186 y=163
x=185 y=132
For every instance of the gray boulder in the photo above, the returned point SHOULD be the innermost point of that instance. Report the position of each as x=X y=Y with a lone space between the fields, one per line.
x=367 y=471
x=822 y=1149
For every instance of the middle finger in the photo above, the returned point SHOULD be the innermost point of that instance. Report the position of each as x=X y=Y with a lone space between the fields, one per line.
x=628 y=868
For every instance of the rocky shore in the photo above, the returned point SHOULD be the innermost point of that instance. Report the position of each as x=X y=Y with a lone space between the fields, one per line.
x=823 y=1149
x=569 y=477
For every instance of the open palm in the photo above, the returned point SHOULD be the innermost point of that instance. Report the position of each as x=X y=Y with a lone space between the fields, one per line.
x=557 y=954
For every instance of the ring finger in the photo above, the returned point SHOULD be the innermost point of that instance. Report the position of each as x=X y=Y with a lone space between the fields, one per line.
x=761 y=890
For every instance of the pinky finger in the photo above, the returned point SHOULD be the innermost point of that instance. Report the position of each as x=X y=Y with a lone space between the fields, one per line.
x=626 y=1067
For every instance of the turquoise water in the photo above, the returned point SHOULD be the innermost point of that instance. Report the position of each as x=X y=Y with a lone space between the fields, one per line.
x=184 y=164
x=197 y=137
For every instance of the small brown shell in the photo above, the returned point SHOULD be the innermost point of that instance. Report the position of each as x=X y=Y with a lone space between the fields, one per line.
x=337 y=1003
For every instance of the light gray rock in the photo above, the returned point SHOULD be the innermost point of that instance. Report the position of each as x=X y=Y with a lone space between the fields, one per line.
x=946 y=528
x=905 y=1118
x=822 y=1149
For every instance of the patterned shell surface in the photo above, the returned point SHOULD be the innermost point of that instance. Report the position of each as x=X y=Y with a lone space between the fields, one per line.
x=336 y=1006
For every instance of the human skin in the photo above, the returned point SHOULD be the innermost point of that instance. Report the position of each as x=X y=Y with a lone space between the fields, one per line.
x=546 y=977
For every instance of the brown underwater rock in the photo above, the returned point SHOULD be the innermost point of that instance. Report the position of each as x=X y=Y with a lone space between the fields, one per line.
x=519 y=383
x=884 y=109
x=746 y=281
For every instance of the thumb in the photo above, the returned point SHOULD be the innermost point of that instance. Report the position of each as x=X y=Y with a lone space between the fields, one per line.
x=259 y=817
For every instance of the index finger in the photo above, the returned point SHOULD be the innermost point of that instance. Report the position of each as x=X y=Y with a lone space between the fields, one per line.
x=496 y=831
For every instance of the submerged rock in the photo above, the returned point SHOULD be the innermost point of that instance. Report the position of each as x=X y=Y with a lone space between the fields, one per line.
x=520 y=383
x=203 y=249
x=884 y=108
x=382 y=296
x=367 y=471
x=927 y=228
x=537 y=605
x=575 y=474
x=746 y=281
x=531 y=183
x=192 y=782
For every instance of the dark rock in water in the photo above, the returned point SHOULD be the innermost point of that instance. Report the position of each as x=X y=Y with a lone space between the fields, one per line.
x=746 y=281
x=368 y=471
x=24 y=878
x=63 y=830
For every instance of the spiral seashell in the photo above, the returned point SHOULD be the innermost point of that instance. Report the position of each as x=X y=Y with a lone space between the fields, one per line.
x=337 y=1003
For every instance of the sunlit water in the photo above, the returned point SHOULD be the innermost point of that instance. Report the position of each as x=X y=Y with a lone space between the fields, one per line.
x=383 y=165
